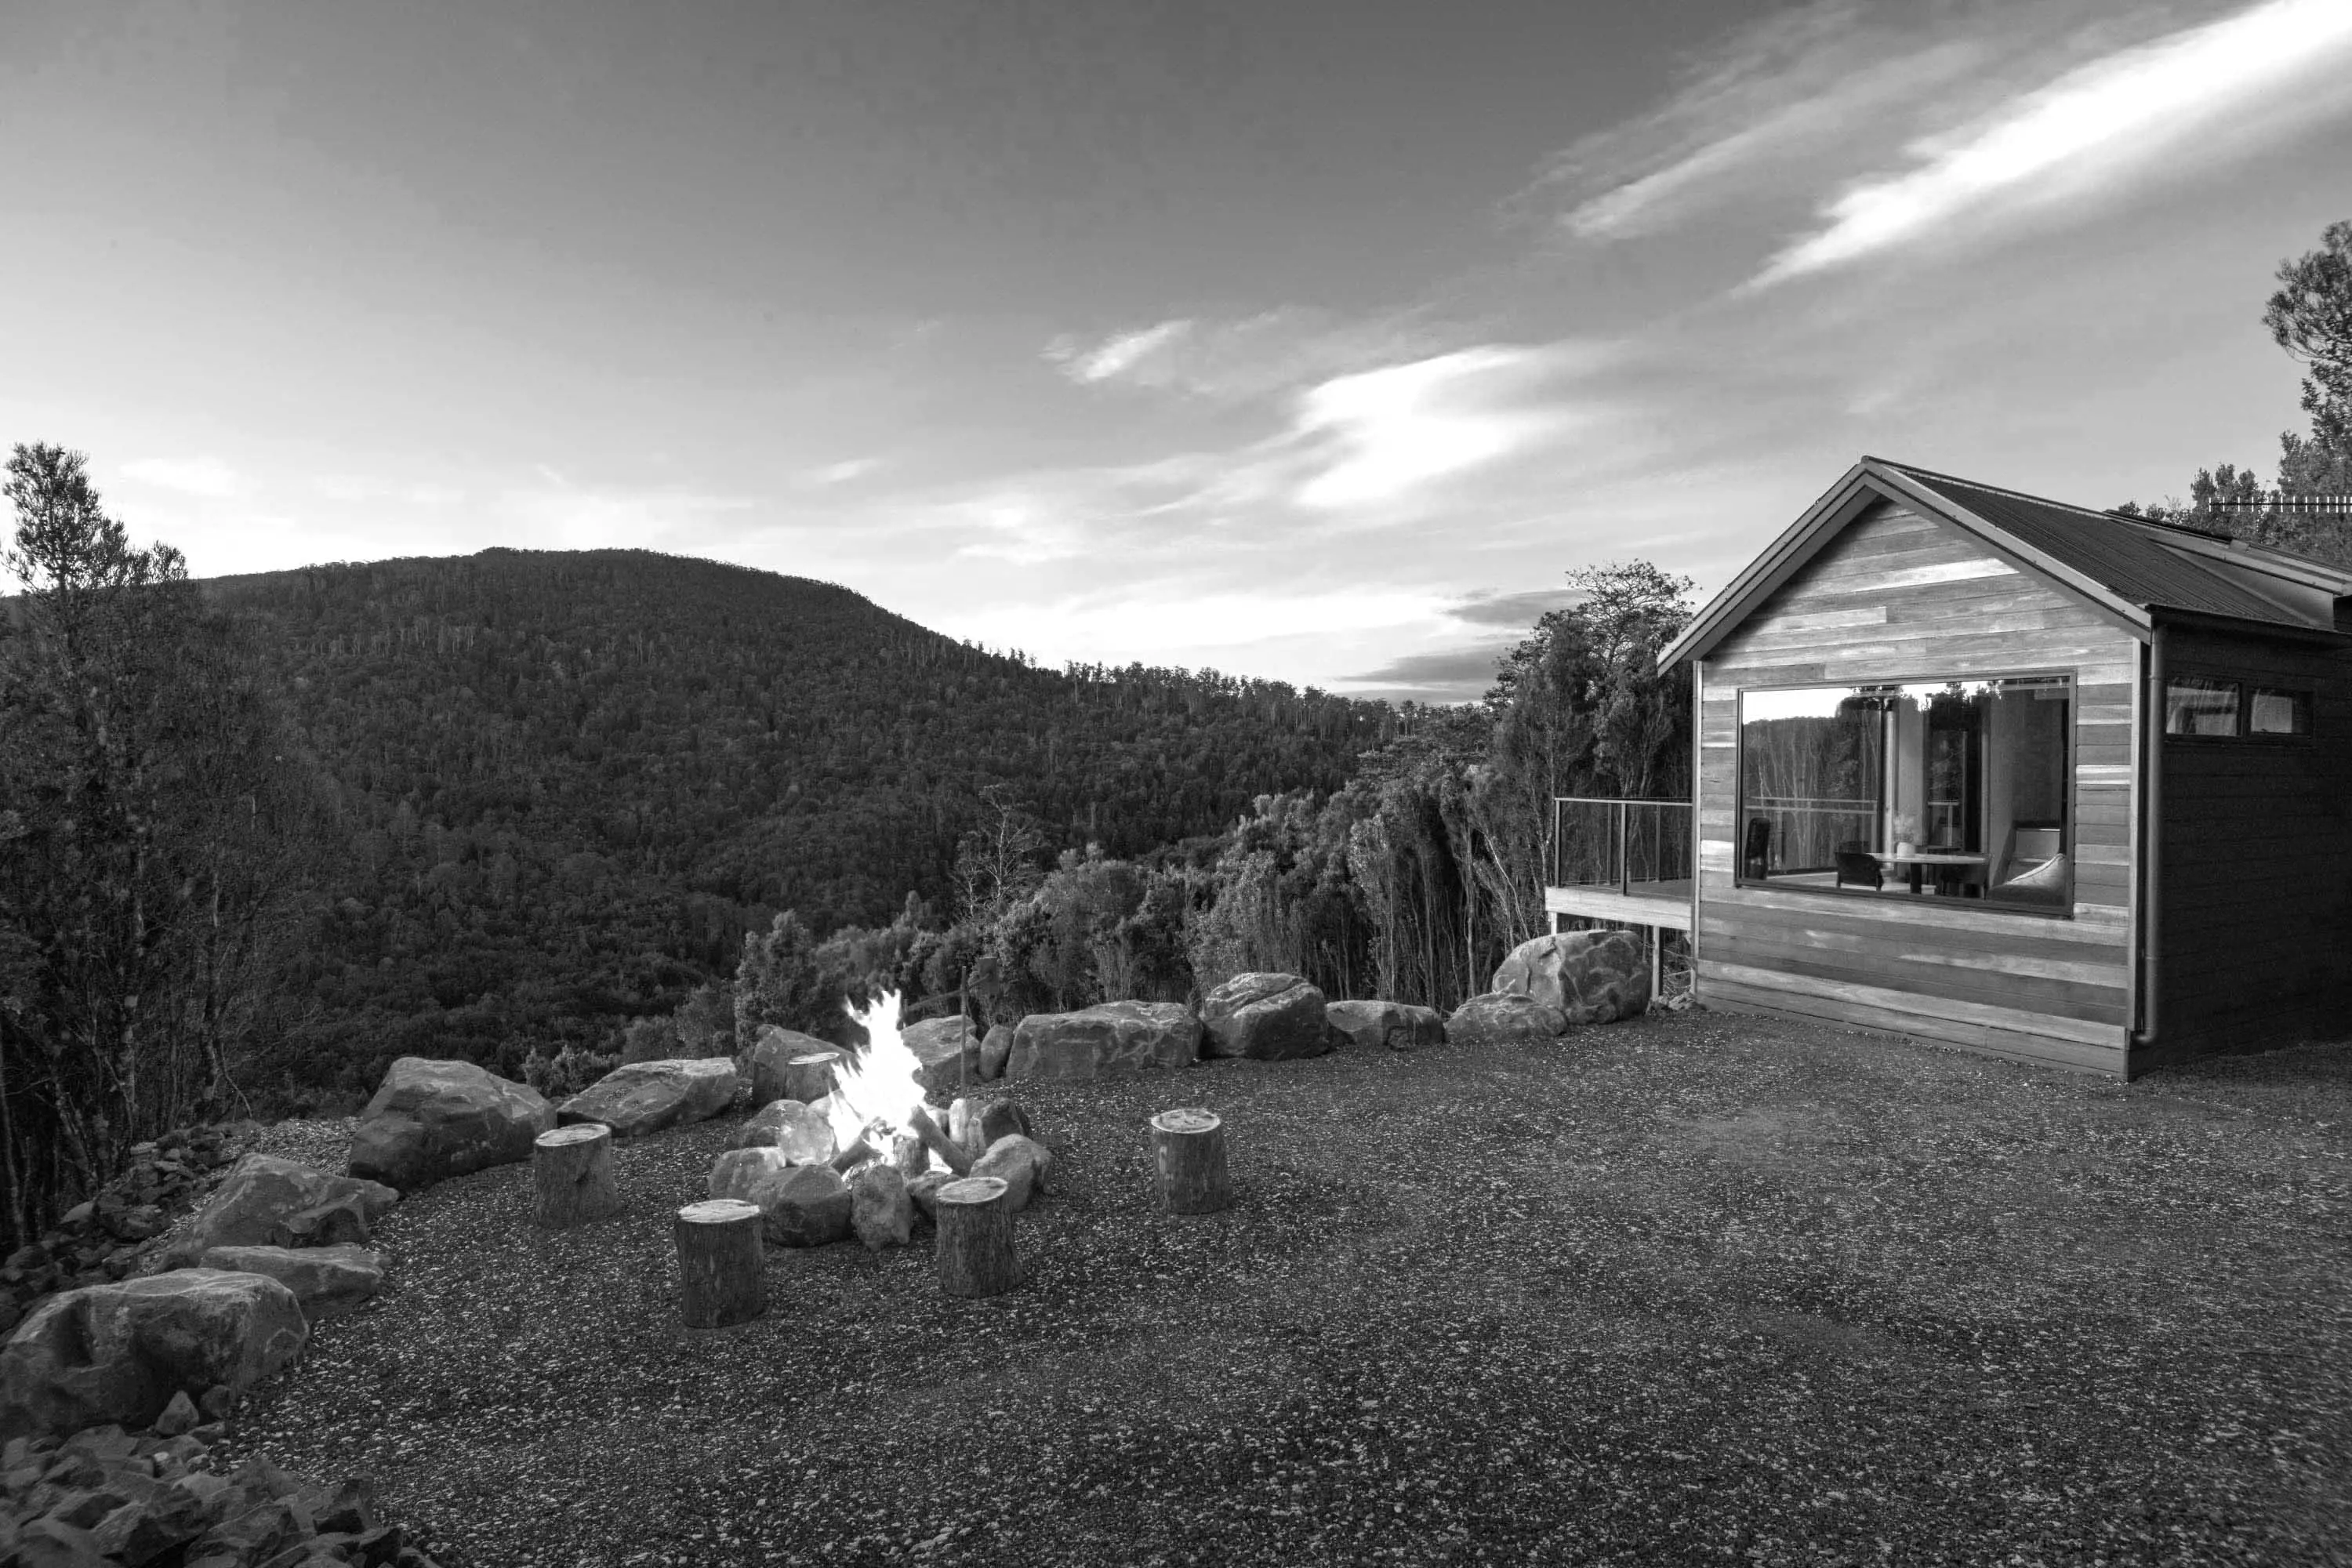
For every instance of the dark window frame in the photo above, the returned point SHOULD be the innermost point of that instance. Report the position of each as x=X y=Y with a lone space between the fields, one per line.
x=2072 y=824
x=2245 y=687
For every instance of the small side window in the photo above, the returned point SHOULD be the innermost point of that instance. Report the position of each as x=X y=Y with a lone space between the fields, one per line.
x=2271 y=710
x=2195 y=705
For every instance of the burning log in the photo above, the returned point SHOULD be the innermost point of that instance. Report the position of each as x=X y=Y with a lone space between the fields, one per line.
x=954 y=1155
x=718 y=1259
x=1187 y=1154
x=975 y=1256
x=571 y=1173
x=860 y=1152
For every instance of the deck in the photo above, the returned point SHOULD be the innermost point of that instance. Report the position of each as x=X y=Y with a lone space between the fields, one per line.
x=1662 y=903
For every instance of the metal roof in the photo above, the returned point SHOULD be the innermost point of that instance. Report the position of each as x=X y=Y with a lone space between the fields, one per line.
x=2133 y=559
x=2132 y=570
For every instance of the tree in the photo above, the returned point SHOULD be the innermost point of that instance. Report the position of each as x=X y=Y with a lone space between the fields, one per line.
x=2311 y=317
x=155 y=826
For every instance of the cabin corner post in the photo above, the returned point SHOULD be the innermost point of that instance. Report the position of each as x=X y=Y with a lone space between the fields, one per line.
x=2149 y=950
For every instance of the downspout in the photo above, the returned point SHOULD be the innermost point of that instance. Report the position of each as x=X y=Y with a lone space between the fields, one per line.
x=2151 y=851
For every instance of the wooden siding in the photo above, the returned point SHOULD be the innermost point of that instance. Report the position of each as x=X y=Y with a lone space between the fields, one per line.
x=1897 y=595
x=2255 y=941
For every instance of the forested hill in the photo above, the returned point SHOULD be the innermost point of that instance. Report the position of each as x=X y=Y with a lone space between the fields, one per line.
x=567 y=782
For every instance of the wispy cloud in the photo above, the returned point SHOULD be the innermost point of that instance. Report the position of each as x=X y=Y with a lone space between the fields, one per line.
x=1255 y=357
x=207 y=477
x=846 y=471
x=1772 y=95
x=2148 y=110
x=1115 y=355
x=1378 y=435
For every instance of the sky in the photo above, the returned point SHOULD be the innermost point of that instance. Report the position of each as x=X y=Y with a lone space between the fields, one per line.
x=1313 y=340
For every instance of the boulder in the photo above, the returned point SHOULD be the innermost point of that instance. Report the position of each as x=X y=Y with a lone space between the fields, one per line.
x=880 y=1210
x=804 y=1205
x=737 y=1171
x=261 y=1194
x=338 y=1221
x=1021 y=1163
x=976 y=1123
x=995 y=1048
x=1504 y=1018
x=1385 y=1026
x=949 y=1049
x=433 y=1119
x=803 y=1133
x=923 y=1190
x=1586 y=976
x=118 y=1353
x=646 y=1096
x=328 y=1280
x=1113 y=1038
x=1265 y=1019
x=765 y=1063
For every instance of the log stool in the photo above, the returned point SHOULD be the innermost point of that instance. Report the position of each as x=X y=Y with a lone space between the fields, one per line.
x=975 y=1254
x=808 y=1077
x=1188 y=1155
x=572 y=1169
x=718 y=1259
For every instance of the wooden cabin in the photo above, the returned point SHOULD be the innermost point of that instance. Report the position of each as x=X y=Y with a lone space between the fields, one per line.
x=2059 y=785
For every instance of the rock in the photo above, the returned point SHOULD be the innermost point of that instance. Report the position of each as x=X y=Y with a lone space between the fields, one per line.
x=649 y=1096
x=1504 y=1017
x=433 y=1119
x=1001 y=1119
x=139 y=1533
x=118 y=1353
x=804 y=1205
x=1265 y=1018
x=339 y=1222
x=179 y=1414
x=1385 y=1026
x=328 y=1280
x=923 y=1193
x=50 y=1544
x=947 y=1048
x=736 y=1171
x=263 y=1191
x=995 y=1050
x=765 y=1062
x=254 y=1536
x=345 y=1510
x=803 y=1134
x=1115 y=1036
x=1588 y=976
x=1021 y=1163
x=879 y=1208
x=217 y=1401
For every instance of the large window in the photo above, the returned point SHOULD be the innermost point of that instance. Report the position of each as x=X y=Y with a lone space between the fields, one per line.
x=1951 y=789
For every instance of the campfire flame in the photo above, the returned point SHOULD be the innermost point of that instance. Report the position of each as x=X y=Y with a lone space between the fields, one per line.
x=877 y=1085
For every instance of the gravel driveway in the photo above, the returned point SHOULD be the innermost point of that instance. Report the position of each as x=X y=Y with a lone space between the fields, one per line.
x=1694 y=1288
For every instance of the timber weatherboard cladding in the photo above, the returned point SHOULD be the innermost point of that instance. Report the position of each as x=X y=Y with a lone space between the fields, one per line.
x=1897 y=595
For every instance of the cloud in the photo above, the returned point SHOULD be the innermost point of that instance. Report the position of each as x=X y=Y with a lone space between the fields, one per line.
x=1115 y=355
x=1376 y=436
x=1257 y=357
x=841 y=473
x=2150 y=110
x=1441 y=675
x=1774 y=93
x=1518 y=611
x=207 y=477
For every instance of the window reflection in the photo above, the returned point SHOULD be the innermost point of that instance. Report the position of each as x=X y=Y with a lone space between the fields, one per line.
x=1957 y=788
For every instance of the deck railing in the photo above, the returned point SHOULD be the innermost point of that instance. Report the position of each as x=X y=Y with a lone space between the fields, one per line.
x=1633 y=846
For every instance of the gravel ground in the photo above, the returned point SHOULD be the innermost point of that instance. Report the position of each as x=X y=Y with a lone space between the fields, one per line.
x=1689 y=1290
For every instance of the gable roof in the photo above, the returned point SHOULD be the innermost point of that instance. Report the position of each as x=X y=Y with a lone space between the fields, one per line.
x=2134 y=571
